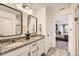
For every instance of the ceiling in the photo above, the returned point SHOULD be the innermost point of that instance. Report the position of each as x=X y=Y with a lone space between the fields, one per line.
x=52 y=7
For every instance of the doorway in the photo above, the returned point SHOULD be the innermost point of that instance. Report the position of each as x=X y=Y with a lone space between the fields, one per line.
x=62 y=32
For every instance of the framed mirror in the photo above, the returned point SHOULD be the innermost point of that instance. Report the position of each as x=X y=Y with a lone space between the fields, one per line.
x=10 y=21
x=32 y=24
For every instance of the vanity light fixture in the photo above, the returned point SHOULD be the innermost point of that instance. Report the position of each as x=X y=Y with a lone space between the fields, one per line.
x=25 y=8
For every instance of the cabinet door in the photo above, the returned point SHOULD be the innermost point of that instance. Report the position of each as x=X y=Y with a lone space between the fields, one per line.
x=34 y=49
x=23 y=51
x=41 y=47
x=49 y=43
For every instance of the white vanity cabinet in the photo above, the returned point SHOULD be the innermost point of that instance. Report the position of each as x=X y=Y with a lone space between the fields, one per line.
x=23 y=51
x=33 y=49
x=41 y=47
x=37 y=48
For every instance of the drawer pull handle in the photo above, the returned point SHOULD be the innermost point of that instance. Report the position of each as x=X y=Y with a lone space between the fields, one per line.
x=34 y=51
x=37 y=48
x=33 y=44
x=28 y=53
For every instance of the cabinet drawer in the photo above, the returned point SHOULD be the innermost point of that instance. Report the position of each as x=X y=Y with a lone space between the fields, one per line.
x=24 y=54
x=33 y=46
x=34 y=54
x=34 y=49
x=41 y=47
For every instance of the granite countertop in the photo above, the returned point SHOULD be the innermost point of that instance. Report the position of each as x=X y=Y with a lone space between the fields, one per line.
x=4 y=38
x=8 y=46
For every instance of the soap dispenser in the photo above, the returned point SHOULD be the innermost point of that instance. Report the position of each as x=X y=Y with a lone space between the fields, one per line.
x=33 y=29
x=40 y=29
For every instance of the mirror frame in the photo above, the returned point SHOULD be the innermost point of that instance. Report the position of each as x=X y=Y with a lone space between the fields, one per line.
x=29 y=16
x=21 y=19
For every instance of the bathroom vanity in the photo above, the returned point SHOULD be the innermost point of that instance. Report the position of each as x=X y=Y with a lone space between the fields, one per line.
x=22 y=47
x=12 y=40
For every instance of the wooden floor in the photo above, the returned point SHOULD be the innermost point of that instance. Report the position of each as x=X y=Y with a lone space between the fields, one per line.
x=57 y=52
x=62 y=44
x=60 y=50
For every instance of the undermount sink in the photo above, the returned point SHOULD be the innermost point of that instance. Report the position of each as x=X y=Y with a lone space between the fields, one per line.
x=14 y=44
x=19 y=43
x=36 y=37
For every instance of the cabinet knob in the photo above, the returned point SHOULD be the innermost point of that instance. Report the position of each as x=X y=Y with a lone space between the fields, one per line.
x=28 y=53
x=37 y=48
x=34 y=51
x=34 y=44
